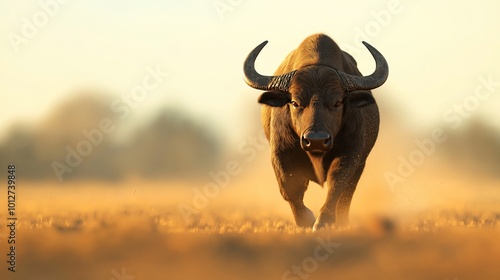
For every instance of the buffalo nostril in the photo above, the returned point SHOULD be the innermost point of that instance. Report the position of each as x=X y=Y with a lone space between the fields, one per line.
x=328 y=141
x=305 y=142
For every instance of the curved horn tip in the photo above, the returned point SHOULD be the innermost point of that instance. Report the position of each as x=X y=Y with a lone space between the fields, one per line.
x=258 y=81
x=368 y=46
x=376 y=79
x=251 y=76
x=261 y=45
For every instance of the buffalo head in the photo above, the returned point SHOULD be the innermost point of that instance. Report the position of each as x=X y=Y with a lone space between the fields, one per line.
x=316 y=96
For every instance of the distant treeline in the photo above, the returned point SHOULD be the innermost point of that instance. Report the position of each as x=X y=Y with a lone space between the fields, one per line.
x=83 y=139
x=475 y=148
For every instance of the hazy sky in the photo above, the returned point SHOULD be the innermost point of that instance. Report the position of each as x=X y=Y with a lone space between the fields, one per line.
x=437 y=52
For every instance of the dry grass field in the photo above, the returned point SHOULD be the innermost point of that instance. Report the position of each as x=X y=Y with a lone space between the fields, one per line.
x=117 y=114
x=135 y=230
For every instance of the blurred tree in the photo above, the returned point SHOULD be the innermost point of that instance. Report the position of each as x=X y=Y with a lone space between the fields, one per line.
x=19 y=149
x=172 y=145
x=474 y=147
x=35 y=149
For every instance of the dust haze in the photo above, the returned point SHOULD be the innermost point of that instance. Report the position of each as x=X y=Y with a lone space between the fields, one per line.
x=436 y=216
x=139 y=153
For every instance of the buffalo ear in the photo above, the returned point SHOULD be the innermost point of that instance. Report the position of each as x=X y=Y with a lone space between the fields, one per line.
x=274 y=98
x=360 y=98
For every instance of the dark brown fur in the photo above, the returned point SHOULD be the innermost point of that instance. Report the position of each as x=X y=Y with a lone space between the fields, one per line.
x=354 y=129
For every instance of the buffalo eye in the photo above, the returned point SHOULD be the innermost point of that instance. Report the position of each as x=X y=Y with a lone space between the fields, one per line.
x=338 y=103
x=295 y=104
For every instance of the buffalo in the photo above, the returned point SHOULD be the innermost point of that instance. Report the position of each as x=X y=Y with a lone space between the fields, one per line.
x=321 y=121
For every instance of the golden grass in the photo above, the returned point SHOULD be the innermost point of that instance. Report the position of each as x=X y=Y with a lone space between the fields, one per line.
x=91 y=230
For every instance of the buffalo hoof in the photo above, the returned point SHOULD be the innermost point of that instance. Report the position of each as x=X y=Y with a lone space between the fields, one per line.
x=324 y=220
x=319 y=226
x=305 y=219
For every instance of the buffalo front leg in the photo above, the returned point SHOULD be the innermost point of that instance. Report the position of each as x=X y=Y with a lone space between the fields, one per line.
x=293 y=191
x=338 y=202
